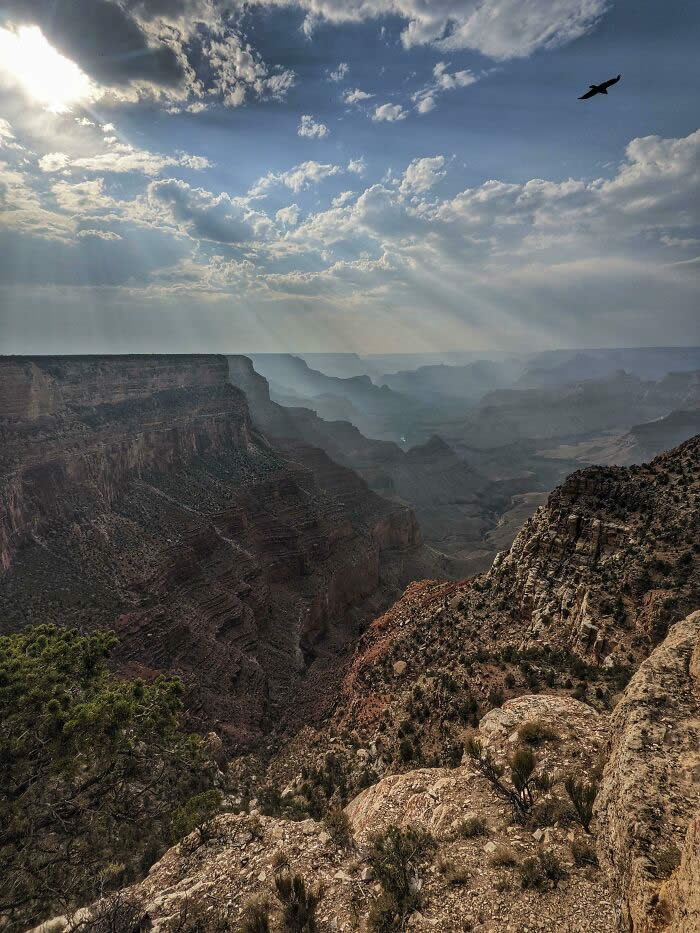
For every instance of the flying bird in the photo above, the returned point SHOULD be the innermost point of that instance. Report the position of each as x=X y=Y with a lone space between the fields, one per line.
x=599 y=88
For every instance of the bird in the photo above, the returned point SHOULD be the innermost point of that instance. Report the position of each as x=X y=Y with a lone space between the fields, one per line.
x=599 y=88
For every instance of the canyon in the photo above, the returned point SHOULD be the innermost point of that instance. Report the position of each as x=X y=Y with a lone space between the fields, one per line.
x=337 y=661
x=138 y=495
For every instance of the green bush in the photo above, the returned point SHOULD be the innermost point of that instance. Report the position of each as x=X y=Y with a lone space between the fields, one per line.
x=93 y=770
x=394 y=856
x=536 y=732
x=338 y=826
x=537 y=870
x=582 y=795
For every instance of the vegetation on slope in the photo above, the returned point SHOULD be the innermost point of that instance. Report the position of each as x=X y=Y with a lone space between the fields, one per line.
x=94 y=772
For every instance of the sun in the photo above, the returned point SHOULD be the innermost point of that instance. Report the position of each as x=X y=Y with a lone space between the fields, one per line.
x=50 y=79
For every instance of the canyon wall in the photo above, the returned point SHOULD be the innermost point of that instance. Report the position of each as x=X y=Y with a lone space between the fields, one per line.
x=136 y=493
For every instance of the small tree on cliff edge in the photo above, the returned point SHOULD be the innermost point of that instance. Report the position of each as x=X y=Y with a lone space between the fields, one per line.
x=92 y=769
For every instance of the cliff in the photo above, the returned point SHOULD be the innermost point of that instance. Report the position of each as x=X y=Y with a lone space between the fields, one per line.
x=136 y=493
x=648 y=805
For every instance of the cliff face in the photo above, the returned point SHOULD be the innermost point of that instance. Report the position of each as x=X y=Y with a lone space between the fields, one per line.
x=453 y=502
x=648 y=805
x=136 y=493
x=609 y=563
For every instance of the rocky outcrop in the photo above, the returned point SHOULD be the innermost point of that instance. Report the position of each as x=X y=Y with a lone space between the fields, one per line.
x=648 y=804
x=680 y=896
x=136 y=493
x=608 y=561
x=461 y=882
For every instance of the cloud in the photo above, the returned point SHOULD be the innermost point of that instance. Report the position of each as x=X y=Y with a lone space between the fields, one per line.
x=548 y=261
x=122 y=157
x=308 y=127
x=356 y=96
x=422 y=174
x=297 y=178
x=53 y=162
x=357 y=166
x=238 y=71
x=288 y=215
x=204 y=216
x=443 y=80
x=341 y=199
x=340 y=73
x=101 y=234
x=500 y=29
x=6 y=134
x=176 y=51
x=103 y=39
x=389 y=113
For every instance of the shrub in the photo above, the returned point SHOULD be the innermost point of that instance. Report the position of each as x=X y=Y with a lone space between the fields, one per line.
x=536 y=870
x=196 y=814
x=115 y=914
x=394 y=856
x=338 y=826
x=535 y=732
x=582 y=795
x=256 y=917
x=583 y=853
x=503 y=856
x=522 y=775
x=667 y=860
x=474 y=826
x=195 y=917
x=548 y=812
x=298 y=903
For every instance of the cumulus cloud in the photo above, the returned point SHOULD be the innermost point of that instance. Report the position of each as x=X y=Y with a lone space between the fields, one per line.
x=310 y=128
x=122 y=157
x=53 y=162
x=297 y=178
x=238 y=71
x=422 y=174
x=5 y=130
x=342 y=198
x=443 y=80
x=539 y=259
x=500 y=29
x=203 y=215
x=389 y=113
x=340 y=72
x=356 y=96
x=357 y=166
x=288 y=215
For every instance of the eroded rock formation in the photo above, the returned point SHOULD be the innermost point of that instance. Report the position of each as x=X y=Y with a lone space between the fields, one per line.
x=649 y=803
x=138 y=494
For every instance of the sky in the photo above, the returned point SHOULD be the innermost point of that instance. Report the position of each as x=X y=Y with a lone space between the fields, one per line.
x=347 y=175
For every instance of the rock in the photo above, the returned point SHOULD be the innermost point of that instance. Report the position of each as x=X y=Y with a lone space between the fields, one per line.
x=324 y=838
x=366 y=874
x=647 y=805
x=399 y=668
x=309 y=827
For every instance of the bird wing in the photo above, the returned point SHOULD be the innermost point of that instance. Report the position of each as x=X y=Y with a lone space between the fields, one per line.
x=588 y=94
x=611 y=81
